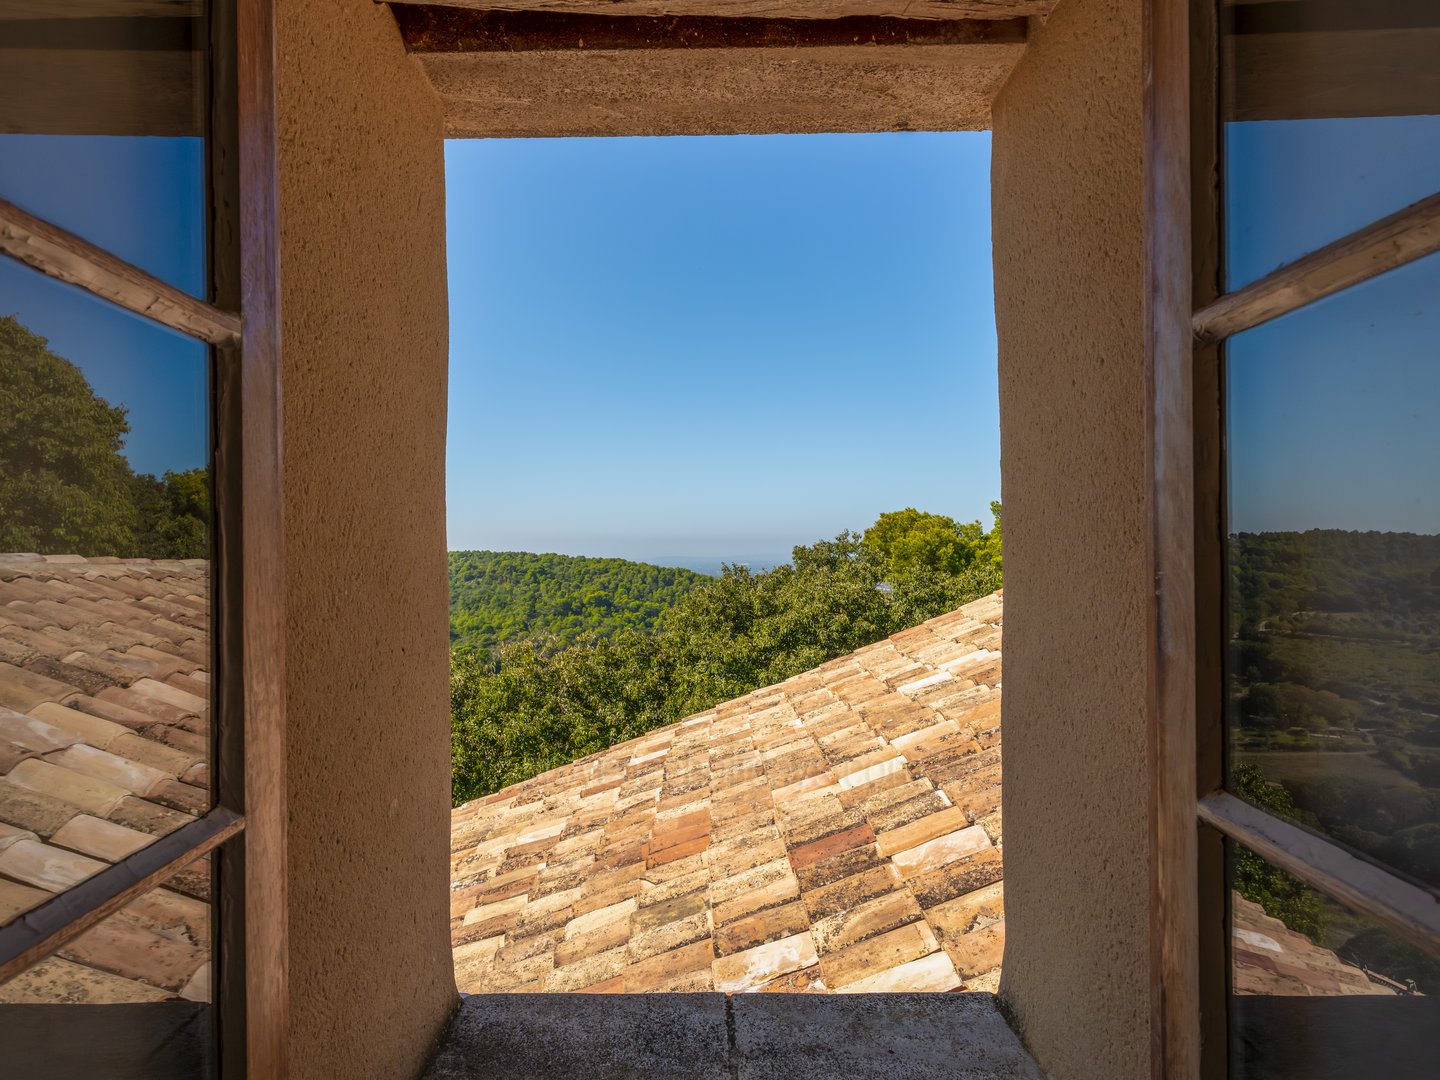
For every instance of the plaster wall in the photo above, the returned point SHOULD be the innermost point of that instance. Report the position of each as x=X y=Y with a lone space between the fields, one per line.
x=1068 y=228
x=364 y=353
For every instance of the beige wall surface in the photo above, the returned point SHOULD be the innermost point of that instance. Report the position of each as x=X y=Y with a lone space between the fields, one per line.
x=364 y=353
x=1067 y=191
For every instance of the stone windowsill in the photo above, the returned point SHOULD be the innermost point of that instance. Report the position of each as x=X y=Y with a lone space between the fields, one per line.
x=958 y=1036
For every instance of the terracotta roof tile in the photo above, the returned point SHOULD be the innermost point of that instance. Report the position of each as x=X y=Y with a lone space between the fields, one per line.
x=104 y=732
x=758 y=845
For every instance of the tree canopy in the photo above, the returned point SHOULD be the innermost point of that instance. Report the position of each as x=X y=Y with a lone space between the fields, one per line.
x=65 y=486
x=498 y=596
x=909 y=540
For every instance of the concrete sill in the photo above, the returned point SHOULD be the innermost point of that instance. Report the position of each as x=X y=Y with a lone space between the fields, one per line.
x=715 y=1037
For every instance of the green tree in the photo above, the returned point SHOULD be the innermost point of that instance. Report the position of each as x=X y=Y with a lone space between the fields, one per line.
x=64 y=485
x=174 y=515
x=910 y=540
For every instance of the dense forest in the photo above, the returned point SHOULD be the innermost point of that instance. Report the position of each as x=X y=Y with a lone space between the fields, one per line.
x=498 y=596
x=65 y=486
x=533 y=704
x=1334 y=710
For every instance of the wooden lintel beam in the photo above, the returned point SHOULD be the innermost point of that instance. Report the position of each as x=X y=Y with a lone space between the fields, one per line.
x=433 y=29
x=821 y=10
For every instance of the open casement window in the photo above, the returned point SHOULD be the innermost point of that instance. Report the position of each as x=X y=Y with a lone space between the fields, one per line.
x=141 y=659
x=1297 y=544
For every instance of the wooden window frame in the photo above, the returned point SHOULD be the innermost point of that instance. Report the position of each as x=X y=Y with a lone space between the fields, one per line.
x=1188 y=315
x=249 y=898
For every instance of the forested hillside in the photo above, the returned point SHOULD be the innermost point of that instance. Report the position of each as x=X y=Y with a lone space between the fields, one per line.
x=1334 y=703
x=497 y=596
x=534 y=704
x=1335 y=685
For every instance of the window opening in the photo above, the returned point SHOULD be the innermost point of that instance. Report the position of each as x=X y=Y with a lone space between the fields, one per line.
x=710 y=745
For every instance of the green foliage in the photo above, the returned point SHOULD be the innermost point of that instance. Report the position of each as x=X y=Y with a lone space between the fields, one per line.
x=1335 y=686
x=499 y=596
x=1282 y=895
x=174 y=515
x=534 y=704
x=65 y=487
x=908 y=540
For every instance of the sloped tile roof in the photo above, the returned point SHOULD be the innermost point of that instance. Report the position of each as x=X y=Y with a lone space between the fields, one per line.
x=837 y=832
x=1272 y=959
x=104 y=746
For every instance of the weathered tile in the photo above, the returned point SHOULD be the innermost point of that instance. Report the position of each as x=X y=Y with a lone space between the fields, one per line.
x=872 y=917
x=834 y=844
x=755 y=967
x=100 y=839
x=762 y=927
x=928 y=974
x=957 y=878
x=935 y=853
x=978 y=951
x=968 y=912
x=880 y=953
x=682 y=970
x=922 y=829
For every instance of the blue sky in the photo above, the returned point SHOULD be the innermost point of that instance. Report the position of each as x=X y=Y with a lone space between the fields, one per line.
x=717 y=347
x=1332 y=409
x=140 y=198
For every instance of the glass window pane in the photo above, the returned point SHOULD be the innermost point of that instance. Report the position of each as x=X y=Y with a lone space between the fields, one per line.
x=136 y=992
x=102 y=121
x=104 y=584
x=1333 y=659
x=1319 y=991
x=1332 y=121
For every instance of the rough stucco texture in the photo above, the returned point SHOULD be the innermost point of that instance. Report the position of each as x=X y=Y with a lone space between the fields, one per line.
x=364 y=353
x=1068 y=227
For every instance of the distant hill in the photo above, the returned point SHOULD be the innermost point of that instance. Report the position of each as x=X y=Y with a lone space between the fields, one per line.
x=498 y=596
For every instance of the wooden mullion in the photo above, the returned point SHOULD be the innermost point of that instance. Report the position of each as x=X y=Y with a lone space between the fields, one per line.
x=1409 y=234
x=1171 y=676
x=59 y=920
x=67 y=258
x=1412 y=912
x=259 y=557
x=1207 y=397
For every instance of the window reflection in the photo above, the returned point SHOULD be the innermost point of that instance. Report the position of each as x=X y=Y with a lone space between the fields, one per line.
x=102 y=118
x=1319 y=991
x=104 y=586
x=1332 y=114
x=135 y=991
x=1333 y=662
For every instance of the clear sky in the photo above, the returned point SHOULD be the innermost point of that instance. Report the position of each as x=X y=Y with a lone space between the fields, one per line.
x=140 y=198
x=1333 y=409
x=717 y=347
